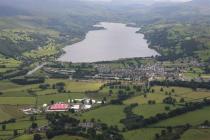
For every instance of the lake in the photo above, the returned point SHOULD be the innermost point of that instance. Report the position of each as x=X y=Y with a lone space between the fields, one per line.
x=115 y=42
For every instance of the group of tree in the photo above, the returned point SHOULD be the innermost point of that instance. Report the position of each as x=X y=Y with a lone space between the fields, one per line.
x=188 y=84
x=28 y=80
x=121 y=96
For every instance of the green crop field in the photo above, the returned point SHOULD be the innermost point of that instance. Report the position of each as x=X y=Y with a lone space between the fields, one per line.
x=193 y=118
x=196 y=134
x=141 y=134
x=111 y=114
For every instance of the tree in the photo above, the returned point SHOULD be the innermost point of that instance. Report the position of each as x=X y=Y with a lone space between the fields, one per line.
x=167 y=108
x=110 y=92
x=91 y=132
x=182 y=100
x=92 y=120
x=37 y=137
x=34 y=125
x=161 y=89
x=206 y=123
x=157 y=136
x=3 y=127
x=91 y=102
x=169 y=129
x=15 y=132
x=32 y=118
x=52 y=102
x=163 y=132
x=173 y=90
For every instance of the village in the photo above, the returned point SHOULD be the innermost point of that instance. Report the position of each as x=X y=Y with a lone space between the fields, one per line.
x=141 y=72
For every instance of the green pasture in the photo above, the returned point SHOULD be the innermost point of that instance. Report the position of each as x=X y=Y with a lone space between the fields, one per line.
x=66 y=137
x=196 y=134
x=151 y=110
x=111 y=114
x=194 y=118
x=77 y=86
x=9 y=111
x=141 y=134
x=17 y=100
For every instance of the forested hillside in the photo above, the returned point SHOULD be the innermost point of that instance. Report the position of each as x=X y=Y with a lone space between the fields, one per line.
x=174 y=30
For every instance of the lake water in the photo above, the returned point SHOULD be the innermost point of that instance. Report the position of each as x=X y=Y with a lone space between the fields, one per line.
x=116 y=41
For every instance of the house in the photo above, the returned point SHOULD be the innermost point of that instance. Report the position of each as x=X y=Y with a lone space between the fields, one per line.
x=86 y=125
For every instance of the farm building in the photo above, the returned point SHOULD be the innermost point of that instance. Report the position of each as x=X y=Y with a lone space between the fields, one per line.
x=58 y=107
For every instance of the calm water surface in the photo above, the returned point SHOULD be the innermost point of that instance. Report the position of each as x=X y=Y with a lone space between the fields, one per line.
x=114 y=42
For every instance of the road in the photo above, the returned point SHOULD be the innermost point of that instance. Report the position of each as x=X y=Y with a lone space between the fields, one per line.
x=36 y=68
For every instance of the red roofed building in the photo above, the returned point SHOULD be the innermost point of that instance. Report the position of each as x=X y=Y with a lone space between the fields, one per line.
x=60 y=107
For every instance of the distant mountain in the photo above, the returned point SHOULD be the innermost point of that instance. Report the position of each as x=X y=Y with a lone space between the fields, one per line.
x=6 y=11
x=200 y=1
